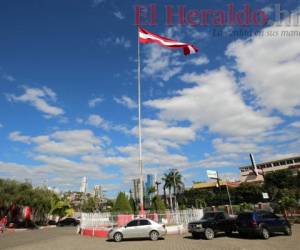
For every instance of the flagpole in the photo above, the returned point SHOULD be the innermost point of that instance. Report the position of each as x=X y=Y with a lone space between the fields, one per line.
x=140 y=128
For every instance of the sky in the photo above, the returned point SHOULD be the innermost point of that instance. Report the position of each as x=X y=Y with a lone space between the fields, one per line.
x=68 y=92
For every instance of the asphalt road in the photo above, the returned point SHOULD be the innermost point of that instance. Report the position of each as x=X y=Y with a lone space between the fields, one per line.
x=67 y=239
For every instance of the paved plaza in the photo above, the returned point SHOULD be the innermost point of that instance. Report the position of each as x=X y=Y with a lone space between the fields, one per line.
x=67 y=239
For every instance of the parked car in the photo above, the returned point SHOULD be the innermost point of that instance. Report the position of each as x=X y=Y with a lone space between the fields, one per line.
x=52 y=222
x=212 y=223
x=68 y=222
x=138 y=228
x=262 y=223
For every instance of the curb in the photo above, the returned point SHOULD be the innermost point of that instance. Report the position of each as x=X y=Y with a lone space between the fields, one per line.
x=103 y=232
x=17 y=230
x=176 y=230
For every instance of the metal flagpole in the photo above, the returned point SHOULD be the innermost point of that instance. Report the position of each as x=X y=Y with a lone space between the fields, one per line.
x=140 y=129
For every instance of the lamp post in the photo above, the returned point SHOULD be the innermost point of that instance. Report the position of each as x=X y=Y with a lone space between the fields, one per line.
x=215 y=175
x=157 y=183
x=174 y=182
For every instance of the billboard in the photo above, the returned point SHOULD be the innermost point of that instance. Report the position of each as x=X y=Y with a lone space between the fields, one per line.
x=212 y=174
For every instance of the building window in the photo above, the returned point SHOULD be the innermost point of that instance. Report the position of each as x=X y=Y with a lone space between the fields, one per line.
x=275 y=164
x=289 y=162
x=283 y=163
x=297 y=160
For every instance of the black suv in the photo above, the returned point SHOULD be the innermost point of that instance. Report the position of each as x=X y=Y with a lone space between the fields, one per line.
x=262 y=223
x=210 y=224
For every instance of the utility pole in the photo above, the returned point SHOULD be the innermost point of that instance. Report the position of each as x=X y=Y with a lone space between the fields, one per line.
x=174 y=181
x=227 y=189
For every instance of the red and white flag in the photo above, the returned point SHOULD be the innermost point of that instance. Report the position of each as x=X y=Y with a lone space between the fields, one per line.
x=147 y=37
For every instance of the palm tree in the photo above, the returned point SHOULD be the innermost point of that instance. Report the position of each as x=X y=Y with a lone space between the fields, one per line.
x=178 y=185
x=168 y=185
x=173 y=179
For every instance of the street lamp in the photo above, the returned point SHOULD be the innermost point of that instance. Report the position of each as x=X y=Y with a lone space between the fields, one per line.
x=157 y=183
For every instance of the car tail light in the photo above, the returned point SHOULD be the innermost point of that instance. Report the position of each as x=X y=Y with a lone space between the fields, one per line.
x=253 y=223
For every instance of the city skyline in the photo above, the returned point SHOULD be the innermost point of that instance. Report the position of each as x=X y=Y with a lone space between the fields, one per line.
x=69 y=94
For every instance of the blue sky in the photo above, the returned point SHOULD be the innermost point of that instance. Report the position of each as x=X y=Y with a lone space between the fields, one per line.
x=68 y=93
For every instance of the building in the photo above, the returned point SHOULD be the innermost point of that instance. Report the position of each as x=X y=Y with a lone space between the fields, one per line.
x=136 y=189
x=214 y=184
x=248 y=174
x=97 y=192
x=150 y=182
x=83 y=185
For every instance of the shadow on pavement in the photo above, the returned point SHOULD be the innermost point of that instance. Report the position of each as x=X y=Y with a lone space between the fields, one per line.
x=135 y=239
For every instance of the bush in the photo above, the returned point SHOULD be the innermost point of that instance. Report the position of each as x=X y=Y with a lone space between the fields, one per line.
x=122 y=204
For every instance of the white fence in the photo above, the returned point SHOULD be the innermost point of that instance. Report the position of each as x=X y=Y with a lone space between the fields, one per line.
x=185 y=216
x=97 y=220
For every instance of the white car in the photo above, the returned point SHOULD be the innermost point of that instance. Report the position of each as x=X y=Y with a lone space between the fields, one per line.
x=138 y=228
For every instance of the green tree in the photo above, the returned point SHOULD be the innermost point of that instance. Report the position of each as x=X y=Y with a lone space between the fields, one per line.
x=168 y=185
x=245 y=206
x=89 y=205
x=60 y=207
x=23 y=194
x=277 y=183
x=173 y=179
x=122 y=204
x=151 y=190
x=247 y=192
x=133 y=205
x=158 y=205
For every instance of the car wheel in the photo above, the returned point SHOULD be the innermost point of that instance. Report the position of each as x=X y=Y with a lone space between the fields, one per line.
x=196 y=235
x=265 y=234
x=287 y=230
x=118 y=237
x=154 y=235
x=209 y=234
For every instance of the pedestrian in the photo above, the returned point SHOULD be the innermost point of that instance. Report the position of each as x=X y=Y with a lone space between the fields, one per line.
x=3 y=223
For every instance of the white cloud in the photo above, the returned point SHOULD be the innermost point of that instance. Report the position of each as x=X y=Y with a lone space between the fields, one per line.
x=230 y=176
x=118 y=14
x=116 y=41
x=201 y=60
x=268 y=10
x=1 y=125
x=39 y=98
x=226 y=147
x=296 y=124
x=17 y=136
x=122 y=41
x=216 y=103
x=228 y=30
x=96 y=120
x=65 y=142
x=79 y=120
x=157 y=130
x=8 y=78
x=93 y=102
x=97 y=2
x=271 y=67
x=126 y=101
x=163 y=63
